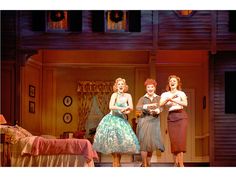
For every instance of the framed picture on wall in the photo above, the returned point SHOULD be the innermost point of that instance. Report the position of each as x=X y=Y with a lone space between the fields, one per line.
x=67 y=118
x=32 y=91
x=31 y=107
x=67 y=101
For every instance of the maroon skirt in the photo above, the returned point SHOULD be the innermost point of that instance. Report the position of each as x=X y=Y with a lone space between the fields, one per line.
x=177 y=126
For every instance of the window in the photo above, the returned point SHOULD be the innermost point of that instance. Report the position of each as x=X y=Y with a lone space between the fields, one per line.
x=230 y=94
x=57 y=21
x=232 y=21
x=116 y=21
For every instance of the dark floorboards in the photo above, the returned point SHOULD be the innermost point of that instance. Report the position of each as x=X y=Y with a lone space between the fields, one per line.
x=138 y=164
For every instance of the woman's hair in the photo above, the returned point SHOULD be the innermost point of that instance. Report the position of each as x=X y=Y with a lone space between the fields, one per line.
x=150 y=82
x=179 y=83
x=116 y=82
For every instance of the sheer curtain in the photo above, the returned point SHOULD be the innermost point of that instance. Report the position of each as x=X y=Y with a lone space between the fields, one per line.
x=102 y=90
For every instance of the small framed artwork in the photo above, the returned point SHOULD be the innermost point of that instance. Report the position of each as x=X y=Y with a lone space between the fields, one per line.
x=31 y=107
x=32 y=91
x=67 y=101
x=67 y=118
x=57 y=21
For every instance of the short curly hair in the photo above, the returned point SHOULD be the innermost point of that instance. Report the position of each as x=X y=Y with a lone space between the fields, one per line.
x=116 y=82
x=150 y=82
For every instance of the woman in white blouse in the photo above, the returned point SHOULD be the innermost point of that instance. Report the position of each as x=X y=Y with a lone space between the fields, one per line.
x=176 y=100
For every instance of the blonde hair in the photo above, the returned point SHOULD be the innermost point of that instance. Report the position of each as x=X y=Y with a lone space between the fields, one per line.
x=116 y=82
x=179 y=83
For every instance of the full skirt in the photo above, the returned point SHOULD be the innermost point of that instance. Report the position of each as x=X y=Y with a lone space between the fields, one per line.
x=115 y=135
x=149 y=134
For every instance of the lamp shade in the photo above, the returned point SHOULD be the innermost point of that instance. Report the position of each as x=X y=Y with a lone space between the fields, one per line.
x=2 y=119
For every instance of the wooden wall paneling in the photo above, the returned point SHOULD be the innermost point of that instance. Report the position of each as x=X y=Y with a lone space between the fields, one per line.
x=173 y=33
x=86 y=21
x=48 y=101
x=86 y=39
x=213 y=31
x=31 y=74
x=223 y=125
x=141 y=74
x=155 y=29
x=226 y=40
x=186 y=32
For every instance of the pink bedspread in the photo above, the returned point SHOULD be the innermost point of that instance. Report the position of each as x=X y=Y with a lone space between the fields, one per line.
x=43 y=146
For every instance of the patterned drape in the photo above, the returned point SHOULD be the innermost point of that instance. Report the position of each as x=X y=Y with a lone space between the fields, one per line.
x=103 y=102
x=86 y=91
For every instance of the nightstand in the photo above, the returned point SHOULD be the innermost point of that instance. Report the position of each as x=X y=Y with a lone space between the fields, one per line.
x=5 y=151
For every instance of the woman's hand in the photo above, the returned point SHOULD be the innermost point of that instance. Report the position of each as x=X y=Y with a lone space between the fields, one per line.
x=126 y=110
x=152 y=106
x=155 y=111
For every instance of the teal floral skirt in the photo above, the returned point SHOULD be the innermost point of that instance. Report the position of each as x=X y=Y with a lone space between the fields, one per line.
x=115 y=135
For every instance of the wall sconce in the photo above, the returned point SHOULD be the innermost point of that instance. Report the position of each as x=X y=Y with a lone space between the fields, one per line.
x=184 y=13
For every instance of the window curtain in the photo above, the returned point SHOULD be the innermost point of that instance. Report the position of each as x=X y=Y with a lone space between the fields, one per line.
x=102 y=90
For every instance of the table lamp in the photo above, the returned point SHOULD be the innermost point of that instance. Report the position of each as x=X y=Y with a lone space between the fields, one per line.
x=2 y=119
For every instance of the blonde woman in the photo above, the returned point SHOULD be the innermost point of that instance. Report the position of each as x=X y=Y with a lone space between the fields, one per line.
x=114 y=135
x=176 y=100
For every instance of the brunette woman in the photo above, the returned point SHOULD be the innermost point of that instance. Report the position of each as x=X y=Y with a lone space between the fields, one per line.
x=176 y=100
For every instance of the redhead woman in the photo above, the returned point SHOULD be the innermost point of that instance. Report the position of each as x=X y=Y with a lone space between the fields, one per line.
x=114 y=135
x=176 y=100
x=148 y=127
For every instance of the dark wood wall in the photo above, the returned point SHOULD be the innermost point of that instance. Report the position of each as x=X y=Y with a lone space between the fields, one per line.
x=222 y=125
x=165 y=30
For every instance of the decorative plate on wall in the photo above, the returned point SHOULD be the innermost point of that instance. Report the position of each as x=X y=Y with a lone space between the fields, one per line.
x=67 y=118
x=67 y=101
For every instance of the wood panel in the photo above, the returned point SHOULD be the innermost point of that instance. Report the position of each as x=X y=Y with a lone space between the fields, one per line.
x=184 y=32
x=223 y=140
x=31 y=74
x=169 y=31
x=87 y=39
x=173 y=32
x=225 y=40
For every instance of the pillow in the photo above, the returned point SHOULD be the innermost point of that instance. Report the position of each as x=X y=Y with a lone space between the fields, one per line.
x=48 y=136
x=13 y=135
x=24 y=131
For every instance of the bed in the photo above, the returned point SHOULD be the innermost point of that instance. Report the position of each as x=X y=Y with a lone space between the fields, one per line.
x=27 y=150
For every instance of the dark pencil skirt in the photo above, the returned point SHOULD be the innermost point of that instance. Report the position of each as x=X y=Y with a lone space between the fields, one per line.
x=177 y=126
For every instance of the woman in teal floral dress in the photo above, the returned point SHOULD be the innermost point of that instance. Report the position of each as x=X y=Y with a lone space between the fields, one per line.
x=114 y=135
